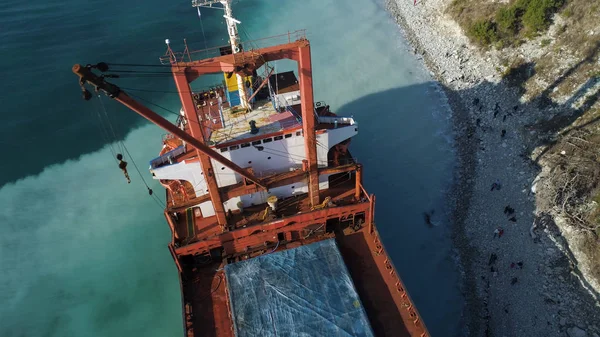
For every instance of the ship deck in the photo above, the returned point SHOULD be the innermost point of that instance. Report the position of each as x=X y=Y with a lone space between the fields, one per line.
x=191 y=228
x=381 y=293
x=237 y=127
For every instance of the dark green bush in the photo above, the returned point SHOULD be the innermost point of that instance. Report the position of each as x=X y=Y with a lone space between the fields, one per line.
x=483 y=32
x=521 y=5
x=507 y=20
x=538 y=13
x=506 y=25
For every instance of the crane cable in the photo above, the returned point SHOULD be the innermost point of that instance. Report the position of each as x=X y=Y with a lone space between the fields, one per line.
x=277 y=85
x=124 y=149
x=281 y=154
x=176 y=114
x=269 y=151
x=112 y=130
x=104 y=132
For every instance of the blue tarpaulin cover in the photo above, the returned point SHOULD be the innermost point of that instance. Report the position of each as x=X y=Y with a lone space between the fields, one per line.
x=300 y=292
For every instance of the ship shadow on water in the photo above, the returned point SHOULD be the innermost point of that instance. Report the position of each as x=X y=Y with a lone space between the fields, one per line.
x=410 y=164
x=403 y=144
x=383 y=315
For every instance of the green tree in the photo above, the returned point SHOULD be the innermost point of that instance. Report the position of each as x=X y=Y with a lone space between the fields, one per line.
x=483 y=32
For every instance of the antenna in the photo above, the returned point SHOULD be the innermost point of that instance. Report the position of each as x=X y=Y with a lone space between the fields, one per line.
x=170 y=51
x=234 y=40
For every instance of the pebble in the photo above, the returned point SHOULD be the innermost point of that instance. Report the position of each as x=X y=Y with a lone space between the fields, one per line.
x=576 y=332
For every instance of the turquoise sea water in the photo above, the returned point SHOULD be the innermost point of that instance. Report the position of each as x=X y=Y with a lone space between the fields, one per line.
x=84 y=254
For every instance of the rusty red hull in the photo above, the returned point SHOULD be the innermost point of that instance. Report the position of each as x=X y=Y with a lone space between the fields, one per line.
x=202 y=245
x=206 y=306
x=388 y=306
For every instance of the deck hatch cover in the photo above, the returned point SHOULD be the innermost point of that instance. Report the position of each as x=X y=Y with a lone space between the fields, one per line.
x=300 y=292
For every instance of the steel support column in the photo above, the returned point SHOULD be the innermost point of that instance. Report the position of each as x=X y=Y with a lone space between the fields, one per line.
x=371 y=215
x=191 y=115
x=358 y=182
x=308 y=121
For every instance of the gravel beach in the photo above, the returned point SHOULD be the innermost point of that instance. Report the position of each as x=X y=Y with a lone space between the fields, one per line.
x=514 y=285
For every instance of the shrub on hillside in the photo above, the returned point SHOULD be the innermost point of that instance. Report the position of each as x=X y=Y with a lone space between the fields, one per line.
x=507 y=20
x=483 y=32
x=538 y=13
x=504 y=24
x=521 y=5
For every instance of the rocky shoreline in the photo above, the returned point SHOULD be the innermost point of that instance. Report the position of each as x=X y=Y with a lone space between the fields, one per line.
x=513 y=285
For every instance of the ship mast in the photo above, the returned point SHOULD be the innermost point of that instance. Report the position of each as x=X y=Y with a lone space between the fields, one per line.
x=234 y=39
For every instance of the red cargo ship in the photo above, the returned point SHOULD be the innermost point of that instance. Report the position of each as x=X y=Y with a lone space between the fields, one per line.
x=273 y=233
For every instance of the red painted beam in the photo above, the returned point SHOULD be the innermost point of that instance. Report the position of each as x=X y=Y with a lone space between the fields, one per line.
x=358 y=181
x=277 y=180
x=308 y=121
x=370 y=219
x=262 y=84
x=194 y=124
x=255 y=235
x=228 y=63
x=245 y=62
x=172 y=250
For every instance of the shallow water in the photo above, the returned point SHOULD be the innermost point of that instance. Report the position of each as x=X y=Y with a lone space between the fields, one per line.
x=84 y=254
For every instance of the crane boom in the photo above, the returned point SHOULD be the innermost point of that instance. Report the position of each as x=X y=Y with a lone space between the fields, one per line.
x=113 y=91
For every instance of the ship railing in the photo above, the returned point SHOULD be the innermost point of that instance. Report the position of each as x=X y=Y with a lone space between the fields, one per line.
x=344 y=161
x=296 y=167
x=364 y=193
x=167 y=157
x=168 y=136
x=283 y=125
x=289 y=108
x=189 y=55
x=267 y=173
x=289 y=124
